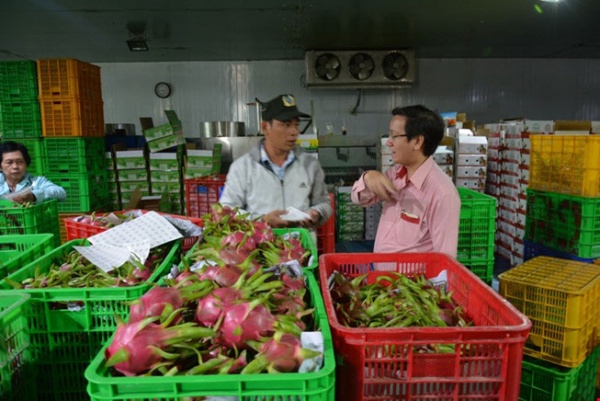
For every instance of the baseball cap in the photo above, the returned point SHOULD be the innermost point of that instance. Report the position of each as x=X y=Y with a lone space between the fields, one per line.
x=282 y=108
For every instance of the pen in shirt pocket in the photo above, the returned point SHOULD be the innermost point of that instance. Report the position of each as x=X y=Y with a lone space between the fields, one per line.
x=410 y=217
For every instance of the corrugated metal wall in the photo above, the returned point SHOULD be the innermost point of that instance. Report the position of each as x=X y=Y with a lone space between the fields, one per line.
x=486 y=89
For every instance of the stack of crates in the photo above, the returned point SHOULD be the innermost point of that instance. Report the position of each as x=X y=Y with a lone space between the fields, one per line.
x=476 y=232
x=20 y=110
x=42 y=218
x=70 y=96
x=350 y=217
x=563 y=198
x=561 y=299
x=68 y=326
x=17 y=379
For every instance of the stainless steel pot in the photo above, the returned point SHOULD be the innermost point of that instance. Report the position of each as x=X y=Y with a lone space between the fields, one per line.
x=218 y=129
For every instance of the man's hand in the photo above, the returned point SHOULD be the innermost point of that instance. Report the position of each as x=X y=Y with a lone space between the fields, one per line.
x=313 y=221
x=379 y=184
x=274 y=220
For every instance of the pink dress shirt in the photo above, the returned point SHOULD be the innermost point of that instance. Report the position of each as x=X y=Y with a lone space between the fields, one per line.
x=424 y=215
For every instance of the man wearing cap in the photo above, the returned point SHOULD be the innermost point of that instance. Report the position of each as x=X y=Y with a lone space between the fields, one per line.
x=278 y=174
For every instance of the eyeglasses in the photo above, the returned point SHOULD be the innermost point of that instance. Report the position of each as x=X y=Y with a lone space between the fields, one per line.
x=394 y=137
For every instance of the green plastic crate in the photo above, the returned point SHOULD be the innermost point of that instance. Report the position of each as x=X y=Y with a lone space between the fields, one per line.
x=17 y=251
x=35 y=147
x=64 y=341
x=544 y=381
x=16 y=378
x=35 y=219
x=20 y=119
x=313 y=386
x=85 y=192
x=476 y=231
x=567 y=223
x=307 y=239
x=18 y=81
x=75 y=155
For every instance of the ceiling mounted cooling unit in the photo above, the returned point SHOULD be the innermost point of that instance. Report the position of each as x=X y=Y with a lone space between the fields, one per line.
x=360 y=68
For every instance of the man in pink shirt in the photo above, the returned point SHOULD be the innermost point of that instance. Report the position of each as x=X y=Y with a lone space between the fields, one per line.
x=421 y=206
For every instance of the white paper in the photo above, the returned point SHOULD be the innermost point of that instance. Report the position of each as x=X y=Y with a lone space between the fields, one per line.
x=294 y=214
x=312 y=340
x=108 y=257
x=150 y=227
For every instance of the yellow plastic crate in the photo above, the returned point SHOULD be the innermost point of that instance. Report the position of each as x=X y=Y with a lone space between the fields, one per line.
x=64 y=78
x=568 y=164
x=561 y=298
x=72 y=117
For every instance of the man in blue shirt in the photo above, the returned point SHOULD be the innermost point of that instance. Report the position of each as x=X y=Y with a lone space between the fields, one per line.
x=17 y=184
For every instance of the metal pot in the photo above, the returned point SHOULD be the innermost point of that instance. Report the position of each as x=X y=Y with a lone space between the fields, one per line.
x=217 y=129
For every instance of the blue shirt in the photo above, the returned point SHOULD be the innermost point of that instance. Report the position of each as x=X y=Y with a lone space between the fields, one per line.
x=42 y=188
x=279 y=170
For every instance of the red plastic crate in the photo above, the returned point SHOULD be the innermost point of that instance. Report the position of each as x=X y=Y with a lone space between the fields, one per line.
x=76 y=229
x=326 y=233
x=202 y=192
x=381 y=364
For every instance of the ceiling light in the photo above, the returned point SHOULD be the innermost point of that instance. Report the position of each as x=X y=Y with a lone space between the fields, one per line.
x=551 y=1
x=137 y=45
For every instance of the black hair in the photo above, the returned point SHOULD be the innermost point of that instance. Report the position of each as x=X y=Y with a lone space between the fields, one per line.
x=422 y=121
x=11 y=146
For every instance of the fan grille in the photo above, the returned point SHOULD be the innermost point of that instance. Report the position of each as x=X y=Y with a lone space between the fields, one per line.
x=395 y=66
x=361 y=66
x=327 y=67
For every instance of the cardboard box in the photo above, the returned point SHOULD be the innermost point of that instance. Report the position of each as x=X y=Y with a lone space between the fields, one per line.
x=471 y=145
x=164 y=176
x=470 y=172
x=572 y=127
x=167 y=135
x=130 y=159
x=134 y=174
x=545 y=127
x=471 y=160
x=443 y=155
x=163 y=161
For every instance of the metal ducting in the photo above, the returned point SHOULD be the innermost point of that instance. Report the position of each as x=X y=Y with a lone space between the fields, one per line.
x=360 y=68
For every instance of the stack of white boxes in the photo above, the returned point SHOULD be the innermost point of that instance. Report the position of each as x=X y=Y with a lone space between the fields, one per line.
x=385 y=156
x=165 y=177
x=494 y=163
x=471 y=162
x=132 y=173
x=444 y=157
x=508 y=171
x=113 y=191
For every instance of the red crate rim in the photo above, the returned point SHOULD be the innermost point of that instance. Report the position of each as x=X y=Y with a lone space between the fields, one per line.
x=517 y=331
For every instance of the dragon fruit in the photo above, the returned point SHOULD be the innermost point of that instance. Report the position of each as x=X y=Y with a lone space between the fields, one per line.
x=154 y=302
x=282 y=353
x=136 y=346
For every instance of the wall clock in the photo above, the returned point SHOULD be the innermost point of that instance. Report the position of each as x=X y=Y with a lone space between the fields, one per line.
x=162 y=90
